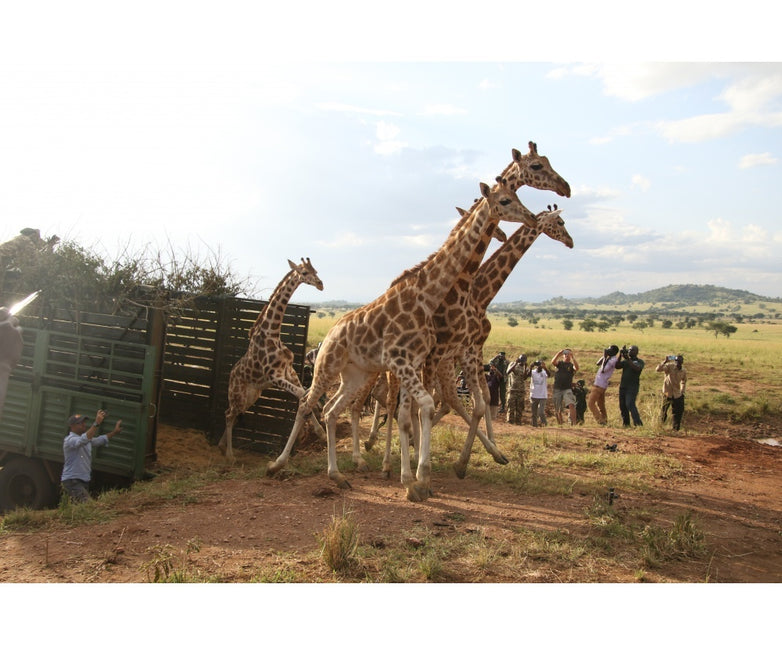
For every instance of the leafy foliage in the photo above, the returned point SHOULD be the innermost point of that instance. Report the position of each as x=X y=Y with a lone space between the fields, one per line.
x=73 y=276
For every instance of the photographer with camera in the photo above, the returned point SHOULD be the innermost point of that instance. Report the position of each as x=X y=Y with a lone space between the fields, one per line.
x=630 y=384
x=518 y=372
x=597 y=395
x=565 y=365
x=674 y=384
x=538 y=386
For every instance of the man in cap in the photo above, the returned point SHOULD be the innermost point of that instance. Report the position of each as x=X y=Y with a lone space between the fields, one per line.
x=674 y=384
x=517 y=374
x=77 y=449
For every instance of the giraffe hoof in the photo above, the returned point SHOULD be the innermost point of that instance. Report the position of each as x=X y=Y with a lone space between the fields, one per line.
x=501 y=459
x=362 y=467
x=344 y=484
x=418 y=492
x=368 y=445
x=460 y=470
x=272 y=469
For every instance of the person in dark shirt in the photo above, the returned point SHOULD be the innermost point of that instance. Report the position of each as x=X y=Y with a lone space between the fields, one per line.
x=629 y=385
x=565 y=366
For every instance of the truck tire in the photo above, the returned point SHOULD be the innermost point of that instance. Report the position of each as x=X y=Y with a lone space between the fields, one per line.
x=24 y=483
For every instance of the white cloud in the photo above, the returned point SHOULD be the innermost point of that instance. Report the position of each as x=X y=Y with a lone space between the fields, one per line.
x=354 y=109
x=486 y=84
x=758 y=159
x=641 y=182
x=348 y=239
x=387 y=135
x=443 y=109
x=634 y=81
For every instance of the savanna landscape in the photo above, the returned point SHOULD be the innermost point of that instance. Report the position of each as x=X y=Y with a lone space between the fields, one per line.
x=579 y=504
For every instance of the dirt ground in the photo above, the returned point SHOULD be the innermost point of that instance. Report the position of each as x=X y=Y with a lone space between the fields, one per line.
x=731 y=484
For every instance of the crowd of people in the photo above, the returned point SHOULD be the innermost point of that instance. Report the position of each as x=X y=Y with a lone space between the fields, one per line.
x=571 y=397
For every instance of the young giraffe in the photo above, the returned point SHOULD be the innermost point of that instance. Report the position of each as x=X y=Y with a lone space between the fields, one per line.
x=488 y=281
x=455 y=324
x=395 y=333
x=267 y=361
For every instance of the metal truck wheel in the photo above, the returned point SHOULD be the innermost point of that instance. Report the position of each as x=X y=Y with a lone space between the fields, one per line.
x=24 y=483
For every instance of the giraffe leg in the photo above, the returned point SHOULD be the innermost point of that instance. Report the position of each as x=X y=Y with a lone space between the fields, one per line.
x=353 y=382
x=358 y=460
x=373 y=433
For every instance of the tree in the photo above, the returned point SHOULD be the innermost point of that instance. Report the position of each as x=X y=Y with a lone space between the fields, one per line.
x=667 y=324
x=512 y=322
x=567 y=324
x=587 y=324
x=720 y=327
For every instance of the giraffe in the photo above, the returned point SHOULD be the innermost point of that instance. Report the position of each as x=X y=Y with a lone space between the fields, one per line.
x=386 y=388
x=489 y=279
x=395 y=333
x=267 y=361
x=456 y=321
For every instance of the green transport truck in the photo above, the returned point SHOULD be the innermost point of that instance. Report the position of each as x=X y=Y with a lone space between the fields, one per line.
x=72 y=366
x=143 y=367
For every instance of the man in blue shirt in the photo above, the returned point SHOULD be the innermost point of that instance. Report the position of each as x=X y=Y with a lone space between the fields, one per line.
x=77 y=448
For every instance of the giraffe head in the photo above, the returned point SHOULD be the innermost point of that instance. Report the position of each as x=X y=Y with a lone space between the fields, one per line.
x=497 y=233
x=535 y=171
x=307 y=273
x=504 y=203
x=550 y=223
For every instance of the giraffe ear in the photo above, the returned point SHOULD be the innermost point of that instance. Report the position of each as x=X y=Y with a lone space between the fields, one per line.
x=485 y=190
x=516 y=155
x=291 y=265
x=462 y=212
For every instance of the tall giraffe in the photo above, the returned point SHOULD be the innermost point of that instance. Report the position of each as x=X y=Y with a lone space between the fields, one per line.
x=267 y=361
x=488 y=280
x=456 y=321
x=395 y=333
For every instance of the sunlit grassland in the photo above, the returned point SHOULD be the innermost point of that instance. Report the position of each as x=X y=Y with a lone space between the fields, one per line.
x=735 y=377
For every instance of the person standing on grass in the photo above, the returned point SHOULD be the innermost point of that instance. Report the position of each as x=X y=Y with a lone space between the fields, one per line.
x=501 y=363
x=517 y=374
x=597 y=395
x=674 y=384
x=629 y=385
x=539 y=392
x=565 y=365
x=493 y=381
x=77 y=448
x=580 y=392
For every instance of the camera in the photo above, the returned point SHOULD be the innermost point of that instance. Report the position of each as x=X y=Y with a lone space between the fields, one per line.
x=671 y=357
x=624 y=352
x=566 y=352
x=537 y=363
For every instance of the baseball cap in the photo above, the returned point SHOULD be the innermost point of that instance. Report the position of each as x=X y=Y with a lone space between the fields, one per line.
x=76 y=418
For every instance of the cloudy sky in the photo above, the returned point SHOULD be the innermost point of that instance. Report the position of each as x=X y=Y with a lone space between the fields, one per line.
x=268 y=136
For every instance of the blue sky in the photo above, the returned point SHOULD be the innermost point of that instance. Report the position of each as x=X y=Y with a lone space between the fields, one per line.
x=184 y=130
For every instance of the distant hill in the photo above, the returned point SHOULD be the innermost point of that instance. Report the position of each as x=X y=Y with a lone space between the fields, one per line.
x=680 y=295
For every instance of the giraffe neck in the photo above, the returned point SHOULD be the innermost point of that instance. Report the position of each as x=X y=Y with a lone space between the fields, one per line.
x=438 y=274
x=467 y=274
x=492 y=274
x=269 y=320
